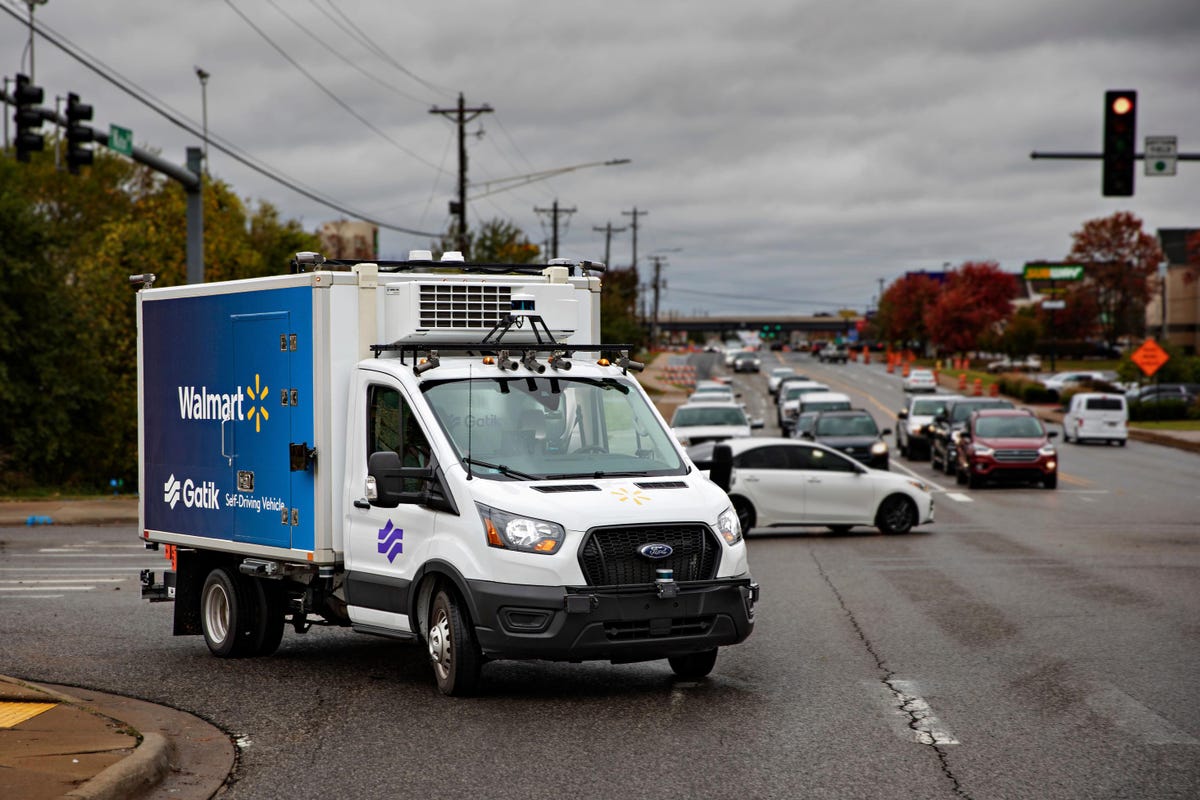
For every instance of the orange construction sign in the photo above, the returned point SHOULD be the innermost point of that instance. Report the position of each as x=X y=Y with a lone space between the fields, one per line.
x=1150 y=357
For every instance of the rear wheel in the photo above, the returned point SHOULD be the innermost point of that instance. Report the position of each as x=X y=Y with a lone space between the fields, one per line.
x=693 y=665
x=897 y=514
x=229 y=614
x=269 y=622
x=455 y=654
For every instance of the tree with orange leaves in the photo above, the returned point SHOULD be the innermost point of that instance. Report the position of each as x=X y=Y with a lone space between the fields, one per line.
x=1120 y=263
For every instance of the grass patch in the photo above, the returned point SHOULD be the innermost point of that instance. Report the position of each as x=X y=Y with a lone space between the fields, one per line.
x=1168 y=425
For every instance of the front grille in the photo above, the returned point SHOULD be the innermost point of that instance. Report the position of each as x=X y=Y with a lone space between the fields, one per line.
x=609 y=556
x=463 y=305
x=1015 y=456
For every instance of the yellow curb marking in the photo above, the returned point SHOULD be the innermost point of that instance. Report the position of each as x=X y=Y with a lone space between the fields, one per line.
x=15 y=713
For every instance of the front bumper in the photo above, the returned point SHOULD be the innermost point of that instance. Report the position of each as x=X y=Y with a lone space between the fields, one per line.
x=1020 y=471
x=621 y=624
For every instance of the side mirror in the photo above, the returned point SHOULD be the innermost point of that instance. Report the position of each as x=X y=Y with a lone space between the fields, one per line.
x=721 y=471
x=757 y=422
x=902 y=414
x=1051 y=434
x=396 y=484
x=940 y=419
x=808 y=435
x=885 y=432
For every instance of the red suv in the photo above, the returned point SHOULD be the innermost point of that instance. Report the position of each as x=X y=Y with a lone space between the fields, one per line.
x=1006 y=444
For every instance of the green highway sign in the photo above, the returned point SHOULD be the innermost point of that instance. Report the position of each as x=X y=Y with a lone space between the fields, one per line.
x=120 y=139
x=1053 y=272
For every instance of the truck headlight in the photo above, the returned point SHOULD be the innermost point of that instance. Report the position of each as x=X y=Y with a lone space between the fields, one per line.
x=729 y=527
x=515 y=532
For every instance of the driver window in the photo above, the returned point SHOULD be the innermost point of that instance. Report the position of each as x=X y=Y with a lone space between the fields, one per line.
x=763 y=458
x=818 y=459
x=391 y=425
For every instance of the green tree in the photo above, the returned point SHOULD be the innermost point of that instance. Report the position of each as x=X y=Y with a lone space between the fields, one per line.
x=496 y=241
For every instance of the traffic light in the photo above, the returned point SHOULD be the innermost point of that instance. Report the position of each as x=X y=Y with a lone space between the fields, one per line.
x=1120 y=131
x=28 y=118
x=79 y=136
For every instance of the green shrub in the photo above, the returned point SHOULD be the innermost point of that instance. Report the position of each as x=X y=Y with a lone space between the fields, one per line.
x=1163 y=410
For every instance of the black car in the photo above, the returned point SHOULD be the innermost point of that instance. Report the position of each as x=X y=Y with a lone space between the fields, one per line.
x=853 y=433
x=948 y=426
x=1185 y=393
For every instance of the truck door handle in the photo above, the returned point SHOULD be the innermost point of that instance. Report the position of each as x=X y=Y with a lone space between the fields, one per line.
x=228 y=456
x=361 y=503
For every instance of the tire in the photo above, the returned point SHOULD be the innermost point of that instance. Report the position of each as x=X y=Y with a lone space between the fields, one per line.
x=933 y=460
x=960 y=477
x=974 y=481
x=693 y=666
x=902 y=448
x=1051 y=482
x=897 y=514
x=229 y=615
x=453 y=650
x=1066 y=435
x=269 y=622
x=1120 y=442
x=947 y=467
x=745 y=513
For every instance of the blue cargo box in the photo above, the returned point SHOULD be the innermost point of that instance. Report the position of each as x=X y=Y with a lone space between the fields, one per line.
x=226 y=394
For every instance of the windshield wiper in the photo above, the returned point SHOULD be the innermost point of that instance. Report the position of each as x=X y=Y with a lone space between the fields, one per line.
x=596 y=475
x=502 y=469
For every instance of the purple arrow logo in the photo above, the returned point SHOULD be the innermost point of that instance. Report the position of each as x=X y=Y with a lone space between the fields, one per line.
x=391 y=541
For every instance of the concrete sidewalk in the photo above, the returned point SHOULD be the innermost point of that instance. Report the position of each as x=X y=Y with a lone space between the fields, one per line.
x=58 y=741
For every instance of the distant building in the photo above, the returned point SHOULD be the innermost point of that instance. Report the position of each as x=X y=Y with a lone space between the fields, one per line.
x=1179 y=294
x=350 y=239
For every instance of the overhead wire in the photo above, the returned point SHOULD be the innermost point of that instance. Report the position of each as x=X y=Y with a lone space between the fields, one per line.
x=336 y=53
x=327 y=91
x=370 y=44
x=180 y=120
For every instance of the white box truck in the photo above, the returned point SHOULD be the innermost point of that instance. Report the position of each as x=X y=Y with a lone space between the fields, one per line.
x=428 y=450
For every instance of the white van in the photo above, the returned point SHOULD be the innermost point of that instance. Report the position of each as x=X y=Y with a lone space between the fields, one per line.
x=1092 y=415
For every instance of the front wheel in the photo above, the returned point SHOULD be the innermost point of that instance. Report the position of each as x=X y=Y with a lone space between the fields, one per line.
x=694 y=665
x=455 y=654
x=1050 y=482
x=897 y=514
x=745 y=513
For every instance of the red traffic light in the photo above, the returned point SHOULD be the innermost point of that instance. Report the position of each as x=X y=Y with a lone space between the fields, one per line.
x=1122 y=104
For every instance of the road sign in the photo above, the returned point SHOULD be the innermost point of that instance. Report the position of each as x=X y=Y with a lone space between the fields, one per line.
x=1161 y=154
x=120 y=140
x=1053 y=272
x=1054 y=305
x=1149 y=357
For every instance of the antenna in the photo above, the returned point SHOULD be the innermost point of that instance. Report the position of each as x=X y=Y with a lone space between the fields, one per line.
x=470 y=415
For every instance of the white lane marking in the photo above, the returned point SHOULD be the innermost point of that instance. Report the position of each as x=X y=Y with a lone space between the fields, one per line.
x=903 y=468
x=960 y=497
x=44 y=588
x=38 y=597
x=66 y=580
x=1133 y=717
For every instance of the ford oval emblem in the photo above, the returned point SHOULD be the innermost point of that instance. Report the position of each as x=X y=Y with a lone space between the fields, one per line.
x=656 y=550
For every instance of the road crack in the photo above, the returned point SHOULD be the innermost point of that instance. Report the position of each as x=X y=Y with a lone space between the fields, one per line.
x=920 y=718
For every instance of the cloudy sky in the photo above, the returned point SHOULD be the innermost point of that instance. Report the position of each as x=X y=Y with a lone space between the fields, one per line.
x=790 y=155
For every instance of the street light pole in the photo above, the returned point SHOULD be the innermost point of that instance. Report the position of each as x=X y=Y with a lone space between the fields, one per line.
x=203 y=76
x=31 y=4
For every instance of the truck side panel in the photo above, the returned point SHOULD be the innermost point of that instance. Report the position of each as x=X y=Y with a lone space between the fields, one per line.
x=227 y=388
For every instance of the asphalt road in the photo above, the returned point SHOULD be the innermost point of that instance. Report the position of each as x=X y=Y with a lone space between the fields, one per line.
x=1030 y=643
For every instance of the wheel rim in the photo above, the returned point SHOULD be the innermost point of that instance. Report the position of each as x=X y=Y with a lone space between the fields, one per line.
x=216 y=613
x=439 y=643
x=897 y=517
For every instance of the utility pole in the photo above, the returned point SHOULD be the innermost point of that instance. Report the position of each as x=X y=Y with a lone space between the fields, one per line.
x=609 y=230
x=555 y=212
x=635 y=214
x=658 y=283
x=462 y=115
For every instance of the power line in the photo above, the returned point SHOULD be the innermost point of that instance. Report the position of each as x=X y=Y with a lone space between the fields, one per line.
x=343 y=59
x=175 y=118
x=381 y=52
x=328 y=92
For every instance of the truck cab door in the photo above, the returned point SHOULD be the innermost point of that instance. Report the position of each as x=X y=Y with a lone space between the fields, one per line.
x=384 y=546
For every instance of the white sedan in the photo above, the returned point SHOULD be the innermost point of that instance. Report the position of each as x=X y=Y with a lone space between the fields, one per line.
x=920 y=380
x=694 y=423
x=786 y=482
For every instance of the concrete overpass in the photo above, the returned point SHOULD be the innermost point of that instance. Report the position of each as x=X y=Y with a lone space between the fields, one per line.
x=782 y=325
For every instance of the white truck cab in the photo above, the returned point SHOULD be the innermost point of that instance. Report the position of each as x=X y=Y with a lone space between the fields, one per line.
x=430 y=451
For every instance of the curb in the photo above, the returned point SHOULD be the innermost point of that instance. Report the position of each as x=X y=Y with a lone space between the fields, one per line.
x=132 y=775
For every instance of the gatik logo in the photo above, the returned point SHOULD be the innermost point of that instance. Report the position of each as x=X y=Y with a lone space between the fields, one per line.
x=203 y=495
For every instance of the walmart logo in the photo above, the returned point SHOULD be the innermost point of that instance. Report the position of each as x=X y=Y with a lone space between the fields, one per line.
x=258 y=413
x=199 y=403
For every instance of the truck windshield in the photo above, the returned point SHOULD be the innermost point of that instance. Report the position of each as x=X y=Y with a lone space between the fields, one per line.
x=517 y=428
